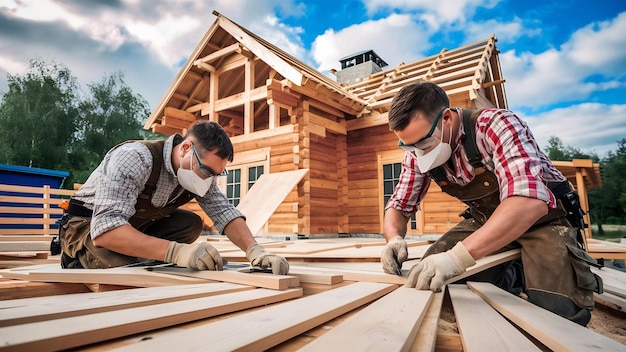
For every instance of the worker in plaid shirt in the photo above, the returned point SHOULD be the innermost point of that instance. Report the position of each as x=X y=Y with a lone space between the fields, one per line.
x=490 y=160
x=127 y=212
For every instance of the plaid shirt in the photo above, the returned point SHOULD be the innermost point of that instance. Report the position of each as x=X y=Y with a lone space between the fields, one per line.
x=111 y=191
x=507 y=148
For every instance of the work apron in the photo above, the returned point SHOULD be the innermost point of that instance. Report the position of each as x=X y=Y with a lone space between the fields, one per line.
x=556 y=272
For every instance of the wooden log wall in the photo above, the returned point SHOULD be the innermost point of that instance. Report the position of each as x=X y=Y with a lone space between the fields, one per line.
x=364 y=202
x=284 y=156
x=440 y=211
x=324 y=152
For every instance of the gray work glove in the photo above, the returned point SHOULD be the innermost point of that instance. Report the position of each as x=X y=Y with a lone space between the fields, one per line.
x=260 y=258
x=394 y=254
x=200 y=256
x=432 y=271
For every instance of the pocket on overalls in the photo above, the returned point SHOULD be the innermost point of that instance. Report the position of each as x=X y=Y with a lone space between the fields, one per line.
x=73 y=234
x=581 y=261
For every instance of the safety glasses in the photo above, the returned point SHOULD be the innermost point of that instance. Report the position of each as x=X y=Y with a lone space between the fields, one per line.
x=425 y=142
x=206 y=171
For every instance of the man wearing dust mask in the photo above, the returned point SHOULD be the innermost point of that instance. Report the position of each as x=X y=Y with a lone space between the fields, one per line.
x=127 y=212
x=516 y=198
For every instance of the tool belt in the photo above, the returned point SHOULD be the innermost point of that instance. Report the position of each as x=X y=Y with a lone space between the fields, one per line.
x=77 y=208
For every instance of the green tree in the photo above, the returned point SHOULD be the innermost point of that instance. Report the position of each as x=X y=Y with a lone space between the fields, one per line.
x=556 y=150
x=606 y=204
x=112 y=113
x=38 y=116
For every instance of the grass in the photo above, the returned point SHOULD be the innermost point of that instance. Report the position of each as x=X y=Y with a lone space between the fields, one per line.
x=613 y=233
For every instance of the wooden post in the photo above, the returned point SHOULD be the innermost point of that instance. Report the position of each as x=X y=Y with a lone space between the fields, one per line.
x=46 y=209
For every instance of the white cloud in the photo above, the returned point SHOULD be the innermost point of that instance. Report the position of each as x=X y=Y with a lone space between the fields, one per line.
x=380 y=35
x=506 y=32
x=555 y=75
x=433 y=12
x=591 y=127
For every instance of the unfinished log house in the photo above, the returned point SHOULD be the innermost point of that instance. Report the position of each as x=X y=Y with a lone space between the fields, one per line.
x=284 y=115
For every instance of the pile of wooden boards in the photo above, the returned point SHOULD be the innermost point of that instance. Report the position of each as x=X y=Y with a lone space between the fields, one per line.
x=349 y=304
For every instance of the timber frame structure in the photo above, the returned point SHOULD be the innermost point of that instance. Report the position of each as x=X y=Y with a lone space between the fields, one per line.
x=283 y=115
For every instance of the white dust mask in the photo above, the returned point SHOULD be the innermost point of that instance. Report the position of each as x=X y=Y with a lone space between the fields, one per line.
x=436 y=157
x=191 y=181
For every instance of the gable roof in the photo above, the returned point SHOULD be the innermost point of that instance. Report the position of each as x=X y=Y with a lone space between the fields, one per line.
x=471 y=68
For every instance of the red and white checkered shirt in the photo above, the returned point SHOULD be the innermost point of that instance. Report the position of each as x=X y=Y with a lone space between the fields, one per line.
x=507 y=148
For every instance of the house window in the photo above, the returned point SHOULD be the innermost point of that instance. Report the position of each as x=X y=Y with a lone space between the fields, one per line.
x=233 y=186
x=254 y=173
x=391 y=176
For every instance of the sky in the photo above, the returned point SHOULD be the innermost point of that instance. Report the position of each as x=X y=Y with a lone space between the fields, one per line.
x=564 y=61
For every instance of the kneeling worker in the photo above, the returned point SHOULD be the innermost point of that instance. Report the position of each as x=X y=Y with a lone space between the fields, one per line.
x=127 y=210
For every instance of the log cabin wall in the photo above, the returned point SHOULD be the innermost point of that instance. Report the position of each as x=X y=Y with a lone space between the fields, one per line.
x=324 y=152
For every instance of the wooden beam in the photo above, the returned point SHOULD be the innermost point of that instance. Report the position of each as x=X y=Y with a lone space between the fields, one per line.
x=233 y=48
x=179 y=114
x=326 y=123
x=240 y=99
x=269 y=57
x=367 y=121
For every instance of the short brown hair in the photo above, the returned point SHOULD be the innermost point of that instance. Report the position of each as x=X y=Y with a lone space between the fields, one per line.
x=425 y=97
x=212 y=136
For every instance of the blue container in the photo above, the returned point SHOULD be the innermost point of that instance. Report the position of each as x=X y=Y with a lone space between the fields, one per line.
x=31 y=176
x=27 y=176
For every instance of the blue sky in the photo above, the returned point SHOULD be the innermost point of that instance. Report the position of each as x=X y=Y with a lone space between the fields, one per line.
x=564 y=61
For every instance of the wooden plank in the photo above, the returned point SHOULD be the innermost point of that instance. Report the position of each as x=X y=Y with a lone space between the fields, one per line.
x=481 y=327
x=60 y=334
x=24 y=246
x=115 y=276
x=29 y=310
x=17 y=289
x=486 y=263
x=265 y=280
x=179 y=114
x=610 y=300
x=427 y=334
x=388 y=324
x=312 y=276
x=264 y=328
x=556 y=332
x=270 y=190
x=352 y=274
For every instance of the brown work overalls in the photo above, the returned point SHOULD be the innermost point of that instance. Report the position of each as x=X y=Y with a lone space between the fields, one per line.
x=556 y=273
x=168 y=223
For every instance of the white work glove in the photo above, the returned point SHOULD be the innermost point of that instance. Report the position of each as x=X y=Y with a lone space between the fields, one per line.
x=432 y=271
x=258 y=257
x=200 y=256
x=394 y=254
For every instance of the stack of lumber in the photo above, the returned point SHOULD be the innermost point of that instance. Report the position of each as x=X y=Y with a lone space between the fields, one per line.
x=28 y=217
x=349 y=304
x=605 y=249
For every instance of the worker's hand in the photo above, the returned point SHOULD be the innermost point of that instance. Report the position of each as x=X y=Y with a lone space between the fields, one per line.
x=394 y=254
x=432 y=271
x=260 y=258
x=200 y=256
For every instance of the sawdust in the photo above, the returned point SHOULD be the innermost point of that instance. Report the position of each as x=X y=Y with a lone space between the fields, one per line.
x=608 y=322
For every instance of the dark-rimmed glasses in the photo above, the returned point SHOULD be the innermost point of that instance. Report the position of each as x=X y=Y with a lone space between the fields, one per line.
x=205 y=170
x=424 y=142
